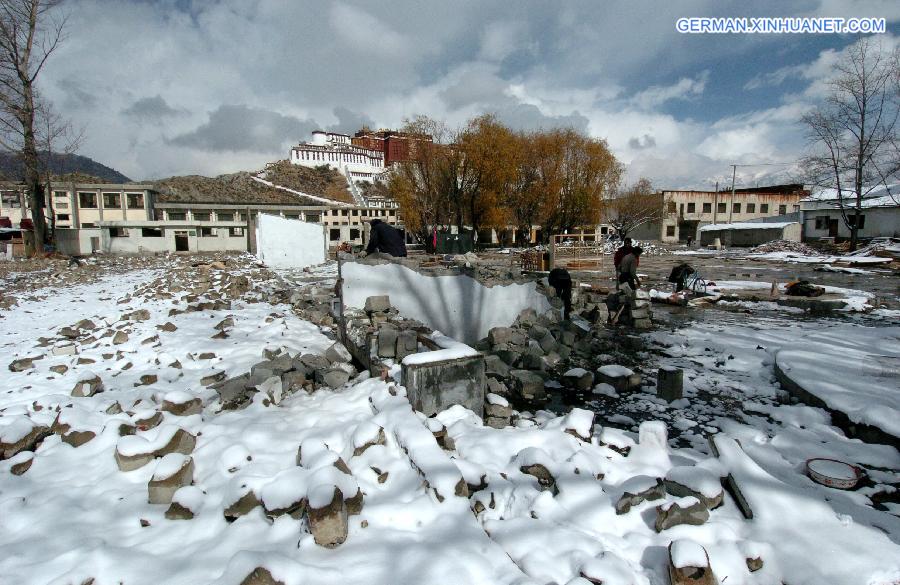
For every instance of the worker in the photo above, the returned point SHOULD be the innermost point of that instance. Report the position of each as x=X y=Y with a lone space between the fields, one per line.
x=623 y=250
x=628 y=268
x=561 y=281
x=386 y=239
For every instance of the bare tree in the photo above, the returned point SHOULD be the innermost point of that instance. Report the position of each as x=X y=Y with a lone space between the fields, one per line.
x=30 y=30
x=55 y=135
x=853 y=134
x=633 y=207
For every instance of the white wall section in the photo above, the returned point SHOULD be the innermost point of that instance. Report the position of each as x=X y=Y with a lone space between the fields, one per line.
x=289 y=243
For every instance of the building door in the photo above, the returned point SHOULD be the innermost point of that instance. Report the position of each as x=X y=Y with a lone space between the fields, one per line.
x=832 y=228
x=687 y=228
x=181 y=242
x=95 y=245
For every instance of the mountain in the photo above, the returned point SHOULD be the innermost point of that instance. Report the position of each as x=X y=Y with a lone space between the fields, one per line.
x=11 y=167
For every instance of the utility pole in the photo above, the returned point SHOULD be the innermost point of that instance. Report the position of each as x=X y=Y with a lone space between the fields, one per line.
x=716 y=203
x=731 y=209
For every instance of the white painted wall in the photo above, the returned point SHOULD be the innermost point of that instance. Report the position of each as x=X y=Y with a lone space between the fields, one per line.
x=289 y=243
x=457 y=306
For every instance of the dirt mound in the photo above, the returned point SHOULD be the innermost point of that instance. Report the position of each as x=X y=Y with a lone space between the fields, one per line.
x=785 y=246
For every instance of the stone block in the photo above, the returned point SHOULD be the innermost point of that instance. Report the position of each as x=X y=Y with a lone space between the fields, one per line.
x=579 y=379
x=329 y=523
x=435 y=386
x=687 y=510
x=173 y=472
x=527 y=384
x=407 y=344
x=378 y=304
x=619 y=377
x=88 y=387
x=338 y=353
x=670 y=383
x=387 y=341
x=500 y=336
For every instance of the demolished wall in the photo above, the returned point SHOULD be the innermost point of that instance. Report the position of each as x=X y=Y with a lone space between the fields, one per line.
x=457 y=305
x=289 y=243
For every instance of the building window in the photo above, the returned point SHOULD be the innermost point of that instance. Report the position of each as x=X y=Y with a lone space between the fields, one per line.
x=235 y=232
x=736 y=208
x=62 y=205
x=821 y=222
x=692 y=208
x=764 y=208
x=392 y=213
x=354 y=234
x=672 y=207
x=225 y=215
x=313 y=218
x=851 y=219
x=207 y=232
x=87 y=200
x=670 y=231
x=60 y=194
x=751 y=208
x=88 y=225
x=151 y=232
x=112 y=201
x=721 y=207
x=796 y=208
x=334 y=234
x=62 y=217
x=10 y=200
x=782 y=209
x=291 y=216
x=118 y=232
x=345 y=212
x=134 y=200
x=177 y=215
x=201 y=215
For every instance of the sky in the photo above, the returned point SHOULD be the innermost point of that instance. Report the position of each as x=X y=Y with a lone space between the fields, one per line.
x=178 y=87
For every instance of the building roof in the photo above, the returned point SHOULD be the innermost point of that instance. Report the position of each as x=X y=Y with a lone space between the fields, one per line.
x=715 y=227
x=881 y=196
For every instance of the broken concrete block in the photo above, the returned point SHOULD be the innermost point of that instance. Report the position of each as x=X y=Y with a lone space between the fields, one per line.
x=224 y=324
x=527 y=384
x=213 y=378
x=139 y=315
x=683 y=481
x=20 y=365
x=496 y=423
x=185 y=502
x=65 y=349
x=168 y=327
x=494 y=386
x=338 y=353
x=328 y=518
x=638 y=489
x=543 y=475
x=368 y=434
x=407 y=344
x=147 y=379
x=59 y=369
x=670 y=383
x=497 y=407
x=378 y=304
x=260 y=576
x=119 y=338
x=688 y=510
x=335 y=378
x=500 y=336
x=21 y=435
x=21 y=462
x=294 y=381
x=241 y=507
x=78 y=438
x=88 y=385
x=387 y=341
x=689 y=564
x=619 y=377
x=173 y=471
x=578 y=379
x=181 y=404
x=495 y=367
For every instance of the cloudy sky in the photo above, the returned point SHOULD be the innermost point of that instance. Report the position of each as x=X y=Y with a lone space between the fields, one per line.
x=166 y=87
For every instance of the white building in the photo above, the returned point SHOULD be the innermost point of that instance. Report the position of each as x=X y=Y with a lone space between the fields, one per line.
x=879 y=216
x=335 y=150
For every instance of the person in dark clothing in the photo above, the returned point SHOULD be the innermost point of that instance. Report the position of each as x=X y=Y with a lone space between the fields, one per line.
x=561 y=281
x=623 y=251
x=386 y=239
x=679 y=275
x=628 y=268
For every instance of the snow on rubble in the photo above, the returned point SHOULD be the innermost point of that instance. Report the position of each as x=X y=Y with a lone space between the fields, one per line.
x=551 y=499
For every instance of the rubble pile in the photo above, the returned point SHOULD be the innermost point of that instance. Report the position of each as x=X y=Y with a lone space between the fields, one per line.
x=785 y=246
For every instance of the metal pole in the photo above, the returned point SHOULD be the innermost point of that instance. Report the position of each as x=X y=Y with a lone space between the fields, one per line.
x=731 y=209
x=716 y=203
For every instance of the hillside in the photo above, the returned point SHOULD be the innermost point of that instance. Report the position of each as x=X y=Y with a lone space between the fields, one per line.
x=62 y=166
x=237 y=188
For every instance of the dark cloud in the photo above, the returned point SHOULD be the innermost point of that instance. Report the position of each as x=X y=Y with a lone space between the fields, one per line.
x=642 y=142
x=349 y=121
x=152 y=109
x=237 y=128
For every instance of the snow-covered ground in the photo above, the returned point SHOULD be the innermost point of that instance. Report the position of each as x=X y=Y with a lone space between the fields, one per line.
x=74 y=516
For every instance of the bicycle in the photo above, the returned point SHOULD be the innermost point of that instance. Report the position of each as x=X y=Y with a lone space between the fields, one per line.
x=695 y=283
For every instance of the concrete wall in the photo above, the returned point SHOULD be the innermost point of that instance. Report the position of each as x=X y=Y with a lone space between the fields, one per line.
x=289 y=243
x=78 y=242
x=750 y=237
x=879 y=222
x=456 y=305
x=136 y=243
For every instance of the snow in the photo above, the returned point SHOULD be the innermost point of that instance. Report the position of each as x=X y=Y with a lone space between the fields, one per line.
x=496 y=399
x=575 y=373
x=687 y=553
x=169 y=465
x=696 y=479
x=833 y=469
x=16 y=430
x=615 y=371
x=853 y=371
x=451 y=350
x=178 y=397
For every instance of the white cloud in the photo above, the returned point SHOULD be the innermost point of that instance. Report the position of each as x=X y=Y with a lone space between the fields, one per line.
x=685 y=88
